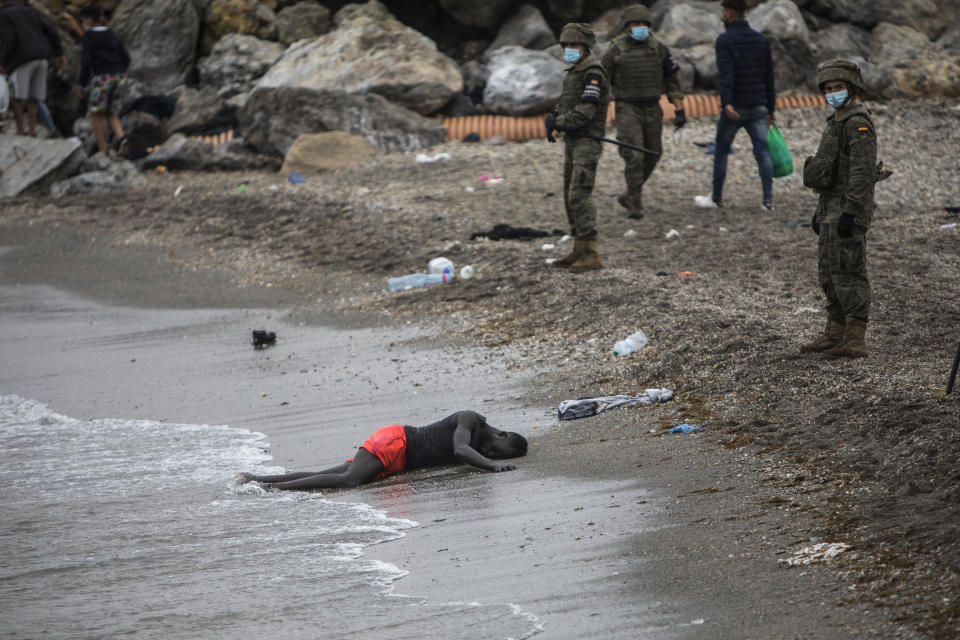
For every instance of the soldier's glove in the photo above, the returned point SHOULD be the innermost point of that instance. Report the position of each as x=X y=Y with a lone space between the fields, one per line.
x=550 y=122
x=845 y=226
x=680 y=118
x=815 y=225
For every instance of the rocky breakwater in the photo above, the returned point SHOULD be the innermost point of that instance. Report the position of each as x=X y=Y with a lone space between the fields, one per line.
x=273 y=70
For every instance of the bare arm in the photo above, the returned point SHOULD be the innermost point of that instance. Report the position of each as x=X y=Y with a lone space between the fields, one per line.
x=467 y=424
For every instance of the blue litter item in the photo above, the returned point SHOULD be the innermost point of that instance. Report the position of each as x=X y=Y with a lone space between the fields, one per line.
x=684 y=428
x=295 y=178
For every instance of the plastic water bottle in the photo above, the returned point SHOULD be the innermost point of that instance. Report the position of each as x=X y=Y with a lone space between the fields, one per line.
x=416 y=280
x=633 y=342
x=441 y=265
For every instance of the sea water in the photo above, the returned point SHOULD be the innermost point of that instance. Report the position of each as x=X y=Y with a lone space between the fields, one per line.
x=134 y=528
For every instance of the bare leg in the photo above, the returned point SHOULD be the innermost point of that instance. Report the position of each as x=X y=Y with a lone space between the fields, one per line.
x=115 y=125
x=18 y=115
x=364 y=468
x=98 y=120
x=32 y=116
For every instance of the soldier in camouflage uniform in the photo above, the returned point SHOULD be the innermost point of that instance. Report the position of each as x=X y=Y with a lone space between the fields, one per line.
x=843 y=172
x=581 y=112
x=640 y=69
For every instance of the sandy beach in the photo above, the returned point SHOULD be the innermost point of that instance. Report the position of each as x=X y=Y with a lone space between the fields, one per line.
x=601 y=532
x=611 y=527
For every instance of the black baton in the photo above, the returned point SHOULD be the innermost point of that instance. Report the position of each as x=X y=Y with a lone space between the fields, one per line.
x=626 y=144
x=953 y=372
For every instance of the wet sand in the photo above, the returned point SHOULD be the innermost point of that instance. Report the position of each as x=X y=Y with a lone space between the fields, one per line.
x=602 y=532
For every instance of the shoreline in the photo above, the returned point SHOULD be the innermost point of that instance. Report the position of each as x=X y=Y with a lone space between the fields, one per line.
x=795 y=451
x=597 y=506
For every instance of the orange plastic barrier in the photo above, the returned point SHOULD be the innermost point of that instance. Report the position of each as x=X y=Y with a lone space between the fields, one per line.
x=529 y=127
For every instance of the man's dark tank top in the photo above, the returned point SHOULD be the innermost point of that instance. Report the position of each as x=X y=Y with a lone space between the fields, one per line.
x=433 y=444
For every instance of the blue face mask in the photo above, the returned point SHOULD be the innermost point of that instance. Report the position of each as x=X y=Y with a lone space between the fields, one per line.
x=640 y=33
x=571 y=55
x=838 y=99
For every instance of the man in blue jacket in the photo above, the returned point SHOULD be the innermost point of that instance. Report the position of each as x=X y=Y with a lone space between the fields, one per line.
x=747 y=99
x=26 y=42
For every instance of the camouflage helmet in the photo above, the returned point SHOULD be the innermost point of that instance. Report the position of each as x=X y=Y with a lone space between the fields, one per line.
x=636 y=13
x=578 y=33
x=842 y=70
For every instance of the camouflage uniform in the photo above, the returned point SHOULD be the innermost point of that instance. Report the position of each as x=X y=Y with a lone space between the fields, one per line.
x=850 y=142
x=843 y=172
x=639 y=73
x=582 y=111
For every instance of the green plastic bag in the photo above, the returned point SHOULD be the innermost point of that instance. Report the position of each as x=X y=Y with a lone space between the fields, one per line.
x=779 y=153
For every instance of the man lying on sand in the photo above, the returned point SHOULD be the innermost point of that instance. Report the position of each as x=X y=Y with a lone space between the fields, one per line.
x=464 y=436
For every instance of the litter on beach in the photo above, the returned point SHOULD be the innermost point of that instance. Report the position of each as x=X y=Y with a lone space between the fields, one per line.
x=489 y=179
x=686 y=274
x=585 y=407
x=424 y=158
x=548 y=247
x=818 y=553
x=673 y=234
x=295 y=178
x=685 y=428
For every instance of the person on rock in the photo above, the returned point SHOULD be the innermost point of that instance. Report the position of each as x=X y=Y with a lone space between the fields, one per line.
x=464 y=436
x=103 y=75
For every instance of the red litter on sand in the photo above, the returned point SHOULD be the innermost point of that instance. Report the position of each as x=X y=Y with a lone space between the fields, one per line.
x=485 y=178
x=686 y=274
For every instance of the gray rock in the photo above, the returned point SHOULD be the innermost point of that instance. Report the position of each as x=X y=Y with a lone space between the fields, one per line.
x=101 y=175
x=32 y=164
x=314 y=153
x=833 y=10
x=380 y=56
x=790 y=44
x=566 y=10
x=913 y=66
x=237 y=61
x=485 y=14
x=161 y=36
x=923 y=15
x=840 y=41
x=198 y=110
x=703 y=59
x=526 y=28
x=276 y=116
x=523 y=82
x=372 y=9
x=475 y=76
x=180 y=153
x=685 y=25
x=951 y=39
x=302 y=21
x=660 y=8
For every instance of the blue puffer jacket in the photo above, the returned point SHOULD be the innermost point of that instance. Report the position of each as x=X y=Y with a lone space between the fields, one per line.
x=744 y=67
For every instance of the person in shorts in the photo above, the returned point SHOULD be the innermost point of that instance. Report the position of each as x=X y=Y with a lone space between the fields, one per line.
x=464 y=436
x=103 y=74
x=27 y=41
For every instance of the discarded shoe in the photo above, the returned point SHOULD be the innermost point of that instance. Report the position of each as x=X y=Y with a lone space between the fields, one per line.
x=263 y=339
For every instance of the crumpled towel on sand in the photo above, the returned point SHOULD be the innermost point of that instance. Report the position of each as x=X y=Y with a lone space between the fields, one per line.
x=584 y=407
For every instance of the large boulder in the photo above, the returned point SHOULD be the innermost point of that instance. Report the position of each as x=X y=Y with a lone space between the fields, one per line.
x=832 y=10
x=274 y=117
x=301 y=21
x=840 y=41
x=161 y=36
x=229 y=16
x=369 y=55
x=314 y=153
x=685 y=25
x=200 y=111
x=526 y=28
x=31 y=164
x=180 y=153
x=783 y=25
x=236 y=62
x=485 y=14
x=913 y=66
x=923 y=15
x=522 y=82
x=106 y=176
x=660 y=8
x=702 y=58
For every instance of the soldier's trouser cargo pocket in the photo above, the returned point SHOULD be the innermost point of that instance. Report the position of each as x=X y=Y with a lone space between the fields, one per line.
x=842 y=271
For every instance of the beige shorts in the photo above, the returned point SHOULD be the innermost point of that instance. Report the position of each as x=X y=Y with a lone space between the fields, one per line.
x=29 y=80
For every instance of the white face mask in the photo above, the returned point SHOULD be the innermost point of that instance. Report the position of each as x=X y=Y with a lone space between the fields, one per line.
x=571 y=55
x=838 y=99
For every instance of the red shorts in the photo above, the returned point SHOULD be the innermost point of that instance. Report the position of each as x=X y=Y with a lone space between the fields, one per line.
x=389 y=444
